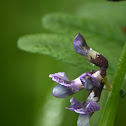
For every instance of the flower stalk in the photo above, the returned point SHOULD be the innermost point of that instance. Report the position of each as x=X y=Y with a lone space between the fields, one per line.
x=111 y=106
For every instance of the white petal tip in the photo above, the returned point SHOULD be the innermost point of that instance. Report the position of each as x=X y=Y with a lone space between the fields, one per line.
x=83 y=120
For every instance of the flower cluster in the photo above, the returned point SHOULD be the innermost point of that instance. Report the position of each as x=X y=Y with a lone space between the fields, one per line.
x=92 y=81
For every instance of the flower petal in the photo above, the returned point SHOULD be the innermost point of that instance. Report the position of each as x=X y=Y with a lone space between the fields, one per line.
x=89 y=83
x=91 y=107
x=75 y=104
x=83 y=107
x=94 y=57
x=61 y=91
x=80 y=45
x=83 y=120
x=60 y=78
x=60 y=74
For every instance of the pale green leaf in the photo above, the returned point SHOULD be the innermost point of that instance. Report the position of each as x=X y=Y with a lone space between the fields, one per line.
x=104 y=11
x=61 y=48
x=68 y=24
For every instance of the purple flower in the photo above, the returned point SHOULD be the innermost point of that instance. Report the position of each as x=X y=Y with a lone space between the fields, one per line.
x=91 y=81
x=66 y=87
x=80 y=45
x=94 y=57
x=87 y=107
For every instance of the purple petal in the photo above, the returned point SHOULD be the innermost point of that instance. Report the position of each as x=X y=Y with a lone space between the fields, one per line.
x=88 y=84
x=83 y=107
x=60 y=78
x=93 y=81
x=61 y=91
x=83 y=120
x=60 y=74
x=75 y=104
x=94 y=57
x=80 y=45
x=91 y=107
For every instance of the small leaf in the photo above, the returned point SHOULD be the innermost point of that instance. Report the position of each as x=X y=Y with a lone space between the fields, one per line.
x=68 y=24
x=104 y=11
x=61 y=48
x=57 y=46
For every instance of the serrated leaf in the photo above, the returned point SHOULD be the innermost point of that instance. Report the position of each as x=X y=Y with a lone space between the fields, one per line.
x=61 y=48
x=68 y=24
x=57 y=46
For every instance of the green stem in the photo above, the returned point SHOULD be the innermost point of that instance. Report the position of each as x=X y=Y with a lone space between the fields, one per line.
x=111 y=105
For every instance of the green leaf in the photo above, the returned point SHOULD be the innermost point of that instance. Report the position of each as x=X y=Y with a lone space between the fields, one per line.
x=61 y=48
x=104 y=11
x=57 y=46
x=68 y=24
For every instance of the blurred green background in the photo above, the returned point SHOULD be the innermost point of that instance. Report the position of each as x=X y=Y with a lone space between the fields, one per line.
x=25 y=85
